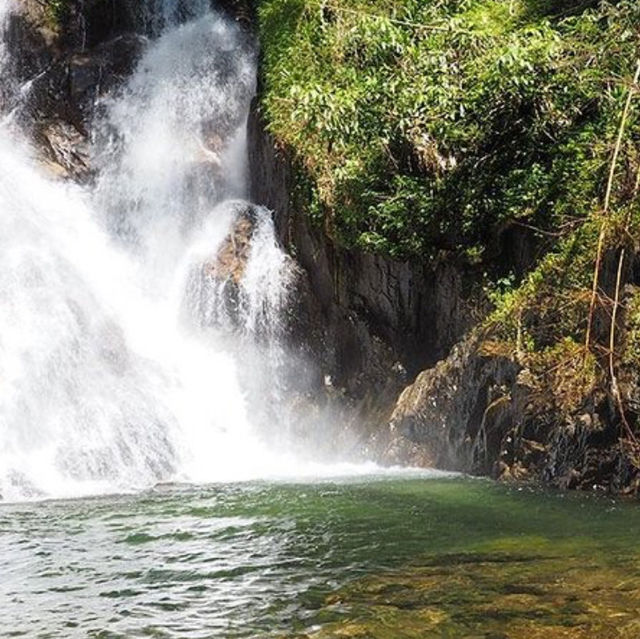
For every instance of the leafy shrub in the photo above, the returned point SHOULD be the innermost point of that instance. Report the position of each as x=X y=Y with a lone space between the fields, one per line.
x=435 y=125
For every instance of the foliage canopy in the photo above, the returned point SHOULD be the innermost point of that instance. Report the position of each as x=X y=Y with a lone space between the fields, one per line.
x=435 y=125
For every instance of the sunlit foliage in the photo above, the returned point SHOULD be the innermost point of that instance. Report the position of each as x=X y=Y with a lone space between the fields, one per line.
x=425 y=126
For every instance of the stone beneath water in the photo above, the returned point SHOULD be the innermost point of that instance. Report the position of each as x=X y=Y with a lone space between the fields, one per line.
x=488 y=596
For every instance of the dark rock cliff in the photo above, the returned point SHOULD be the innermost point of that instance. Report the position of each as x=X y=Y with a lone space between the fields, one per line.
x=382 y=319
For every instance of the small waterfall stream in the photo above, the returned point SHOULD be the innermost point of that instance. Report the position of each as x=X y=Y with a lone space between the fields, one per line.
x=123 y=333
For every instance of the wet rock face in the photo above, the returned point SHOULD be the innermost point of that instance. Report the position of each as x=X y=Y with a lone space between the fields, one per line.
x=96 y=21
x=63 y=74
x=64 y=101
x=37 y=37
x=375 y=312
x=63 y=66
x=457 y=413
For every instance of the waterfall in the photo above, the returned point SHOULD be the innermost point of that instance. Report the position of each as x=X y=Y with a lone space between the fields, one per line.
x=126 y=325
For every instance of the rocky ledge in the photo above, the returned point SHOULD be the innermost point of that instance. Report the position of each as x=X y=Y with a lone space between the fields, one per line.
x=485 y=412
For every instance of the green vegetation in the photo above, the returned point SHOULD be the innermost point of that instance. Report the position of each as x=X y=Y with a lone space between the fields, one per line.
x=575 y=320
x=424 y=126
x=435 y=125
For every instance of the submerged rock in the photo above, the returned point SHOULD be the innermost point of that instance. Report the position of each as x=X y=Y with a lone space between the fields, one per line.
x=492 y=595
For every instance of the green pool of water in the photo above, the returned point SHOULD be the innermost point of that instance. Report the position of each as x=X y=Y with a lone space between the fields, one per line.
x=369 y=558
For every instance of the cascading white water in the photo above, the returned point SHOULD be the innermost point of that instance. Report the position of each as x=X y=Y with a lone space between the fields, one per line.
x=113 y=373
x=156 y=16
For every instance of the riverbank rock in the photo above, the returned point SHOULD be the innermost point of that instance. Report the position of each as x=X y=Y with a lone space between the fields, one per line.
x=455 y=414
x=482 y=411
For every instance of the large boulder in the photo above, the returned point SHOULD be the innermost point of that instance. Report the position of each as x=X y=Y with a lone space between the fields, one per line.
x=454 y=415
